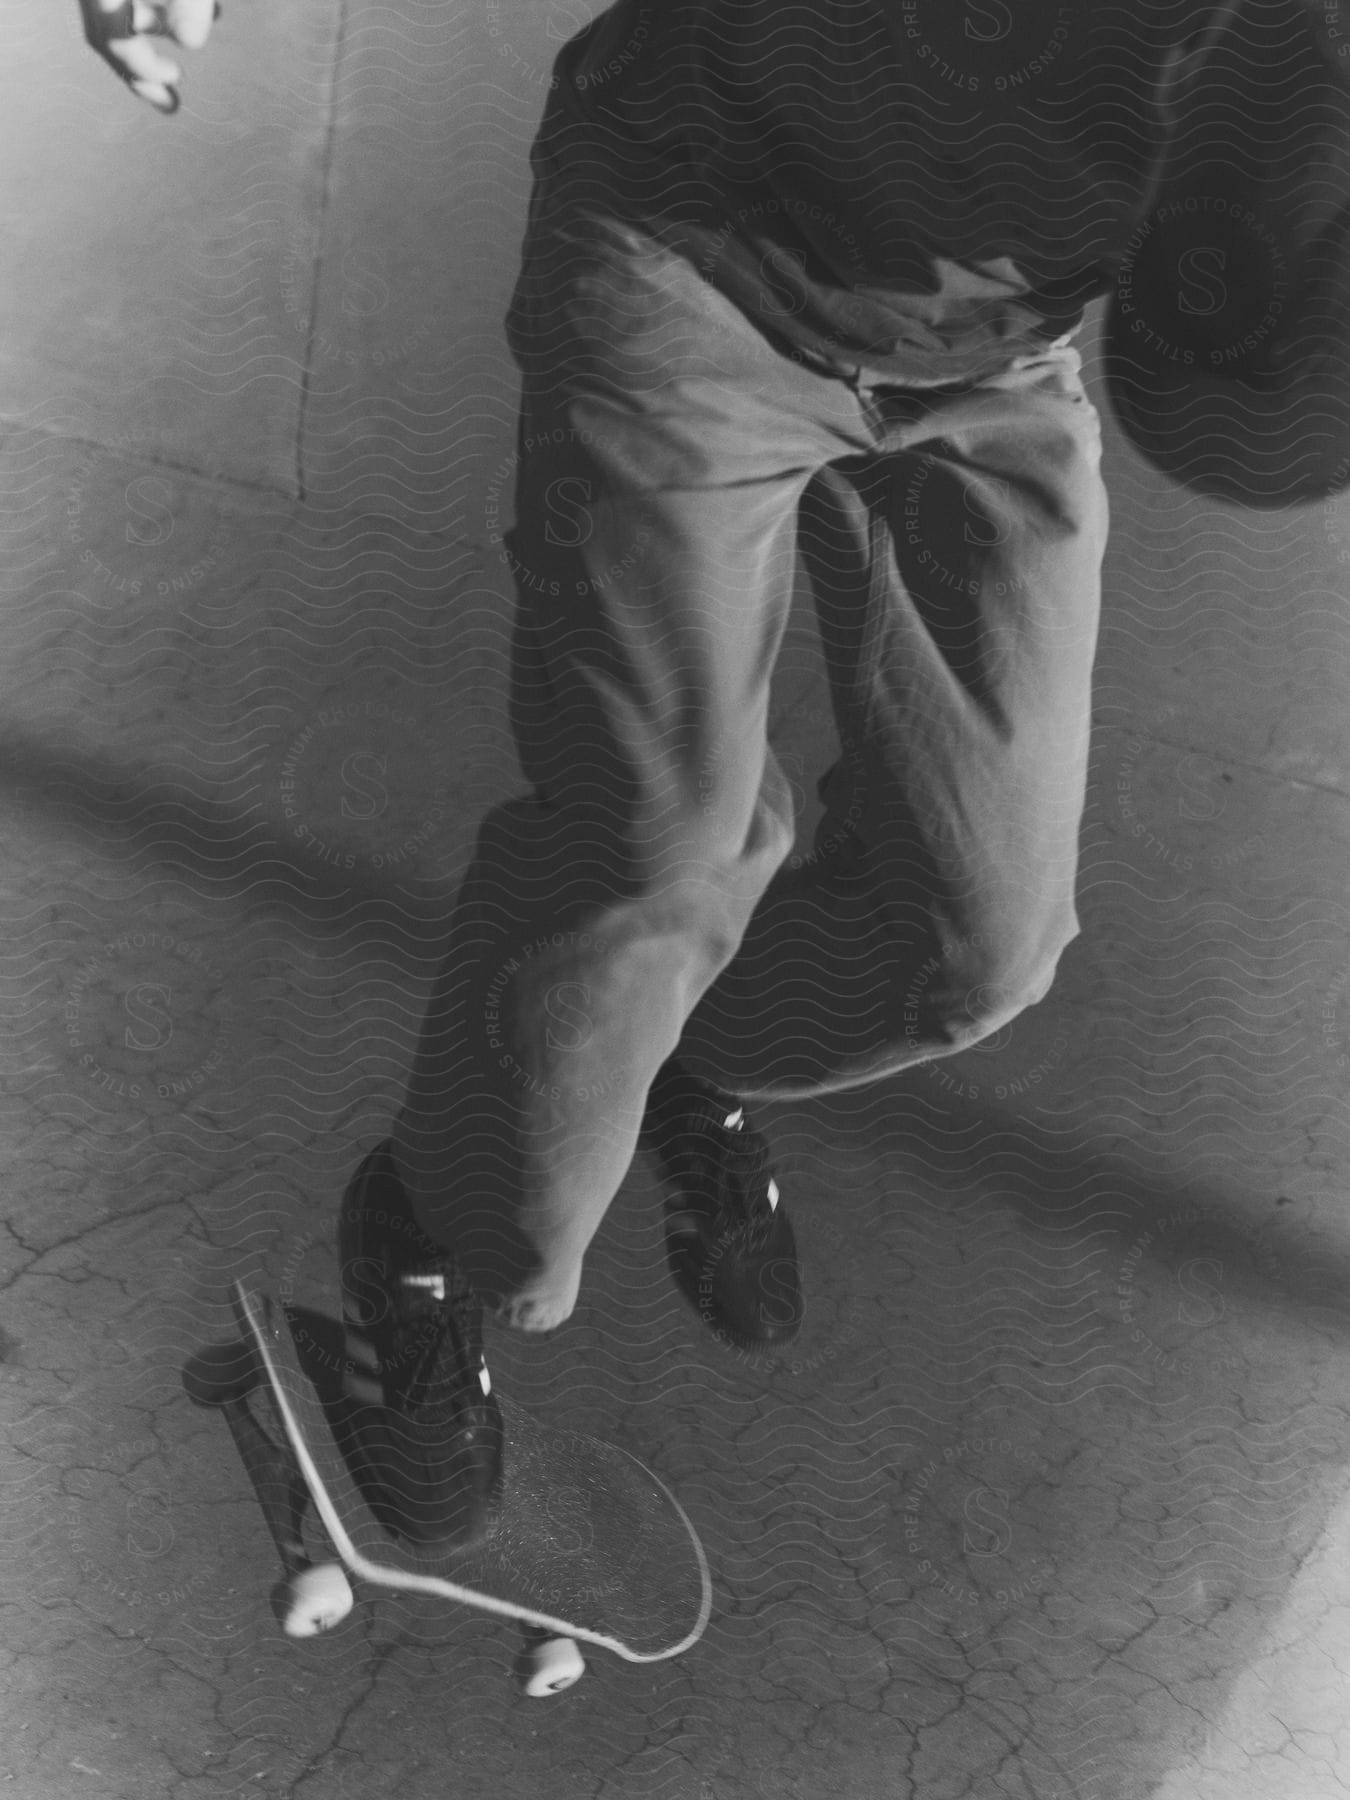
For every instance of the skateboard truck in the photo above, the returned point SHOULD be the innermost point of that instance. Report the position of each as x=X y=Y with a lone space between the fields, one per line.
x=314 y=1596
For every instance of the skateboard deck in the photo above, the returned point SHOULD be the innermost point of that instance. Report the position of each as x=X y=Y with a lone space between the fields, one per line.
x=586 y=1542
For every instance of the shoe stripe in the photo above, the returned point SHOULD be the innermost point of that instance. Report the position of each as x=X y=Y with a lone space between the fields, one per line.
x=434 y=1284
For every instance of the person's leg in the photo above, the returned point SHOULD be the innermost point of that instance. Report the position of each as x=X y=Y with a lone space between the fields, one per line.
x=663 y=449
x=957 y=580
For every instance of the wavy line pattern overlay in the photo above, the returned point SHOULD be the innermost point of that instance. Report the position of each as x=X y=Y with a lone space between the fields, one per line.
x=1026 y=1500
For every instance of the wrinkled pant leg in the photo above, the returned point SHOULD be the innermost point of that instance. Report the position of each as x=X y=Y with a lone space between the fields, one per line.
x=663 y=451
x=957 y=581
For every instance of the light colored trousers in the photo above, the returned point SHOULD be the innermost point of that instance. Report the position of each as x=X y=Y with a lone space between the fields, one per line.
x=674 y=466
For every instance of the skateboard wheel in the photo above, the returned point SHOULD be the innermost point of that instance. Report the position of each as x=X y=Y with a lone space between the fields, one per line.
x=219 y=1373
x=314 y=1600
x=552 y=1666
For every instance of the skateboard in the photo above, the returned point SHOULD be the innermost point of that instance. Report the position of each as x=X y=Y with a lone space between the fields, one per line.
x=587 y=1545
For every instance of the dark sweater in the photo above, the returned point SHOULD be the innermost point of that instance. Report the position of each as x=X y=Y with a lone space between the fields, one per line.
x=921 y=187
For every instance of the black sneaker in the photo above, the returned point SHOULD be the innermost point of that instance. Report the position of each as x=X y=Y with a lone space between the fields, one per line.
x=423 y=1411
x=728 y=1240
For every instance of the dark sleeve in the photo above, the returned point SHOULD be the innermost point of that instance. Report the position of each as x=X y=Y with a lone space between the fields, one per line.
x=1228 y=330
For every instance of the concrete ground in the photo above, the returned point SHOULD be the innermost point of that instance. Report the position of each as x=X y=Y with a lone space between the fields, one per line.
x=1052 y=1497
